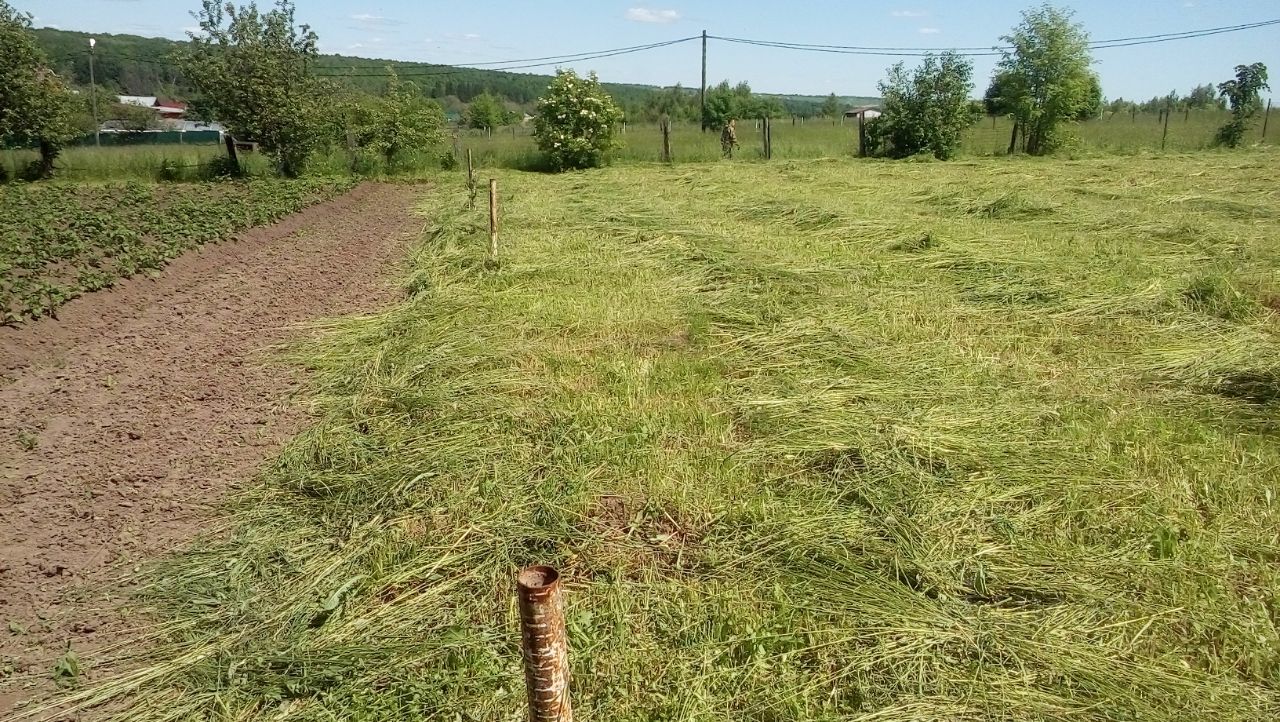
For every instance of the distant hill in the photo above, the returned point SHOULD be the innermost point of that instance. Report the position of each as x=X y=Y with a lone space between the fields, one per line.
x=134 y=65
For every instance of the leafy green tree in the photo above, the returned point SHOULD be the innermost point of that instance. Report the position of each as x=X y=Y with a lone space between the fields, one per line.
x=35 y=106
x=1002 y=95
x=252 y=70
x=400 y=121
x=1093 y=100
x=132 y=117
x=1047 y=65
x=1204 y=97
x=729 y=102
x=1244 y=95
x=925 y=109
x=831 y=106
x=576 y=121
x=486 y=112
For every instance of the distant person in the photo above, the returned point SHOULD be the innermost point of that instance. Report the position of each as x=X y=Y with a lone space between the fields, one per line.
x=729 y=139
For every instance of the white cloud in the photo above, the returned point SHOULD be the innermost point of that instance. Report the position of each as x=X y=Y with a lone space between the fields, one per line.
x=355 y=46
x=909 y=13
x=648 y=15
x=929 y=31
x=471 y=36
x=371 y=20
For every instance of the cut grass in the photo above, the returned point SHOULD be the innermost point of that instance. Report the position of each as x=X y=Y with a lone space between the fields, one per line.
x=855 y=454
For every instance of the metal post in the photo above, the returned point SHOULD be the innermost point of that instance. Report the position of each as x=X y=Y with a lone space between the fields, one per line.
x=862 y=135
x=93 y=83
x=544 y=644
x=1266 y=117
x=704 y=81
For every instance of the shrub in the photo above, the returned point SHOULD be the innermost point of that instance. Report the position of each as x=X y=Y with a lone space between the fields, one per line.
x=925 y=110
x=1244 y=95
x=576 y=122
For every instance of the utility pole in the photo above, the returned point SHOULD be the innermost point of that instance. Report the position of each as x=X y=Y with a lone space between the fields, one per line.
x=704 y=81
x=93 y=83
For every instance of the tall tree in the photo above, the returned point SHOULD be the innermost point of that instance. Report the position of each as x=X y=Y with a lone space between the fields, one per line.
x=831 y=106
x=252 y=70
x=399 y=121
x=1047 y=64
x=1244 y=94
x=925 y=109
x=486 y=112
x=35 y=106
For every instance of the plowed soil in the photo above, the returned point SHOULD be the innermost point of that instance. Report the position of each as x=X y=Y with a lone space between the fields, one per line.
x=125 y=420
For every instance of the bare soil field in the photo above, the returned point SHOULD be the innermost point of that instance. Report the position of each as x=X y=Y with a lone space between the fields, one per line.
x=124 y=420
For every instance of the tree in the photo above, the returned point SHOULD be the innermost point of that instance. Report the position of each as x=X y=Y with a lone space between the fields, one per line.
x=1002 y=95
x=486 y=112
x=1204 y=97
x=925 y=109
x=576 y=121
x=133 y=117
x=1093 y=100
x=35 y=106
x=252 y=72
x=399 y=121
x=726 y=102
x=1243 y=93
x=1047 y=64
x=831 y=106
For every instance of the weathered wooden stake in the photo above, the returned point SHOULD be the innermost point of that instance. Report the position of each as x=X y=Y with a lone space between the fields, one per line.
x=766 y=136
x=232 y=155
x=1266 y=117
x=471 y=182
x=1186 y=116
x=1164 y=138
x=862 y=135
x=544 y=645
x=665 y=125
x=493 y=218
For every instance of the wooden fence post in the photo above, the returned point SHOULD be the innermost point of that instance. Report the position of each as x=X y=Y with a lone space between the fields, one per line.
x=1164 y=137
x=544 y=645
x=471 y=182
x=665 y=125
x=493 y=219
x=766 y=134
x=232 y=155
x=862 y=134
x=1266 y=117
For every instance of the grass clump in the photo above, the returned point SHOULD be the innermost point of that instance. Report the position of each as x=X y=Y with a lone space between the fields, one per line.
x=787 y=473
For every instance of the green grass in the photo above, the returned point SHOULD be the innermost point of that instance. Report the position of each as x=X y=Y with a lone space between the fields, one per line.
x=835 y=440
x=824 y=138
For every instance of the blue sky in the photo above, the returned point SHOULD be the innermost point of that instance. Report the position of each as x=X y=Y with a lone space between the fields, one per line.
x=461 y=33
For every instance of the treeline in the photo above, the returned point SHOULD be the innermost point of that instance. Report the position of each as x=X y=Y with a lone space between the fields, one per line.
x=1201 y=97
x=134 y=65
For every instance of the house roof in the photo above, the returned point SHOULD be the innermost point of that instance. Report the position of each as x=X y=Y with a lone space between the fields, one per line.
x=862 y=109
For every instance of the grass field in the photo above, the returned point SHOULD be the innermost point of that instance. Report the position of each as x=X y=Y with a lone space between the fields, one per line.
x=59 y=240
x=514 y=148
x=836 y=440
x=823 y=138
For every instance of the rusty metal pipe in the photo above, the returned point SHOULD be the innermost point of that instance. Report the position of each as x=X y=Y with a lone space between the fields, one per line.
x=545 y=645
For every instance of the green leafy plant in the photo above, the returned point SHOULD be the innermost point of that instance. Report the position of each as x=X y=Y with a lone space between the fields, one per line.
x=926 y=110
x=1243 y=93
x=35 y=105
x=1044 y=77
x=487 y=112
x=576 y=122
x=252 y=70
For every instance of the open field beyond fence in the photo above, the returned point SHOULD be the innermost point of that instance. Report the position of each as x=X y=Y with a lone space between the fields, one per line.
x=986 y=440
x=514 y=147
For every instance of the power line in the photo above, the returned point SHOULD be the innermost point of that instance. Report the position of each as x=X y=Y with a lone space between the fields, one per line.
x=566 y=58
x=997 y=50
x=576 y=57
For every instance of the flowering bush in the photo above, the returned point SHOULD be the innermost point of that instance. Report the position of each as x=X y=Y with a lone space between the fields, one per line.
x=576 y=121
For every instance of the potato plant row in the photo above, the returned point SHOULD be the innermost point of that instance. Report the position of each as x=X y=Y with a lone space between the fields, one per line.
x=58 y=241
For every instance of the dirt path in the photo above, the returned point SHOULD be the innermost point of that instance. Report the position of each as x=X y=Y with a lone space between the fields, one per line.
x=124 y=421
